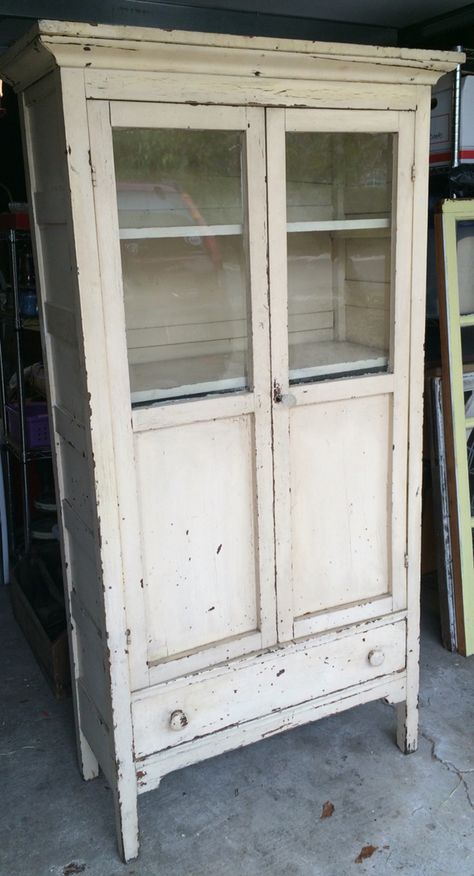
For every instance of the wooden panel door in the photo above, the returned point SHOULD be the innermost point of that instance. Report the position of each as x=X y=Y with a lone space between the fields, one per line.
x=340 y=219
x=181 y=216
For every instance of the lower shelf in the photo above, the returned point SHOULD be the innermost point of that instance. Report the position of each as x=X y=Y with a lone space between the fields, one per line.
x=225 y=372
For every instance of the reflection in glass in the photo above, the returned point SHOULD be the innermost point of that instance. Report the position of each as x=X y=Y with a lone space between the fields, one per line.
x=339 y=203
x=468 y=385
x=465 y=260
x=184 y=267
x=467 y=344
x=470 y=465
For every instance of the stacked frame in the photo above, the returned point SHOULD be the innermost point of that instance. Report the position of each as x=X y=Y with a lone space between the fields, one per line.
x=454 y=225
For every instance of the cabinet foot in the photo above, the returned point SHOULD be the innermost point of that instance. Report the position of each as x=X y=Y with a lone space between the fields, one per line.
x=126 y=822
x=407 y=727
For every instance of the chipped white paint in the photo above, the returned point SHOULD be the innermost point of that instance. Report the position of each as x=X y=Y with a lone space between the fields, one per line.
x=185 y=642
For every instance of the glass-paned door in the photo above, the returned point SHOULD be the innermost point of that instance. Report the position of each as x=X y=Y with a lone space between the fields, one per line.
x=185 y=189
x=268 y=407
x=340 y=202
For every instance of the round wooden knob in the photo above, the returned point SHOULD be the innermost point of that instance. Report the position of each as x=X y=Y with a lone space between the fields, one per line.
x=288 y=400
x=178 y=720
x=376 y=657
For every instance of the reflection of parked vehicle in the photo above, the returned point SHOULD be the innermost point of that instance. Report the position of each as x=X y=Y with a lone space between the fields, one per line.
x=156 y=205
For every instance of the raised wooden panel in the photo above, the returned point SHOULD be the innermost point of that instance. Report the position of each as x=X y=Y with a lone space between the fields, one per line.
x=51 y=206
x=84 y=578
x=49 y=162
x=93 y=670
x=68 y=379
x=78 y=482
x=197 y=508
x=340 y=488
x=61 y=322
x=58 y=266
x=97 y=733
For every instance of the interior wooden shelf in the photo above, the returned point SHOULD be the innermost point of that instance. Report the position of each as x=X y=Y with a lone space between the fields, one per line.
x=177 y=378
x=137 y=233
x=332 y=358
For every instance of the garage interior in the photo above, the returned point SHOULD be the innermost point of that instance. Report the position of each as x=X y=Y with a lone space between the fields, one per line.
x=334 y=796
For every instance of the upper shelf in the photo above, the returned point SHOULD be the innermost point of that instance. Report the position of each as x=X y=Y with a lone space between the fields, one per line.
x=225 y=230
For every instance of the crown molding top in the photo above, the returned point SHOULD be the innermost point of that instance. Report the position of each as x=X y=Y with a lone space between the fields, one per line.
x=52 y=44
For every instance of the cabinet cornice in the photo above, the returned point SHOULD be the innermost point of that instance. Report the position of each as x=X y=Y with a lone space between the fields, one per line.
x=65 y=44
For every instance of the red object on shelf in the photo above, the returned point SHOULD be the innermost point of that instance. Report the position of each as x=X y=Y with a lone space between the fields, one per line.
x=36 y=425
x=14 y=221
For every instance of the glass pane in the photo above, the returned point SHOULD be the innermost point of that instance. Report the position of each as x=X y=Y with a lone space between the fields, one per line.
x=465 y=253
x=184 y=264
x=339 y=203
x=470 y=465
x=468 y=384
x=467 y=344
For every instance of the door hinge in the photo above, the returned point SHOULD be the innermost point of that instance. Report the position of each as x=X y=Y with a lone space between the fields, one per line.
x=405 y=560
x=413 y=173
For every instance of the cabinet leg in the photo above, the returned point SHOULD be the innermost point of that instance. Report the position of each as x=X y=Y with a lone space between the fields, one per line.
x=126 y=822
x=88 y=763
x=407 y=726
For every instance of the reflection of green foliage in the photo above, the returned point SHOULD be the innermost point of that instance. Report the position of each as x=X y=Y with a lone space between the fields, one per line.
x=151 y=155
x=361 y=159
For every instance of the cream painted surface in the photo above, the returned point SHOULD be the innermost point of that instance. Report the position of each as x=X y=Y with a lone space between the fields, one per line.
x=68 y=141
x=196 y=485
x=151 y=769
x=278 y=679
x=340 y=458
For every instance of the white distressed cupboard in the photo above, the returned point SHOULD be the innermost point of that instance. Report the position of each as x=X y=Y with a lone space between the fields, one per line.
x=230 y=238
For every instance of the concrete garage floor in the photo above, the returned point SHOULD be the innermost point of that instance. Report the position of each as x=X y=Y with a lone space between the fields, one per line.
x=255 y=811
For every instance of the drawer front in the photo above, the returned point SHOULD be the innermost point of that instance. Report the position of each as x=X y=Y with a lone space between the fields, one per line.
x=181 y=710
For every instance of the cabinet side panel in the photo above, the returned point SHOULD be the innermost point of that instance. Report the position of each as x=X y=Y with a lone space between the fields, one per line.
x=104 y=408
x=60 y=325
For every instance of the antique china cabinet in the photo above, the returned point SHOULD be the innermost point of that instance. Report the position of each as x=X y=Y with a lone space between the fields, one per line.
x=230 y=241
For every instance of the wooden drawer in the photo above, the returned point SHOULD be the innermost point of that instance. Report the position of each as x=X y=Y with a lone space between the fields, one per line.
x=180 y=710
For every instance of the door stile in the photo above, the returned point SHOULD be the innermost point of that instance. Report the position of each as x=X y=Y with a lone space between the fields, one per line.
x=277 y=268
x=119 y=384
x=254 y=175
x=402 y=218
